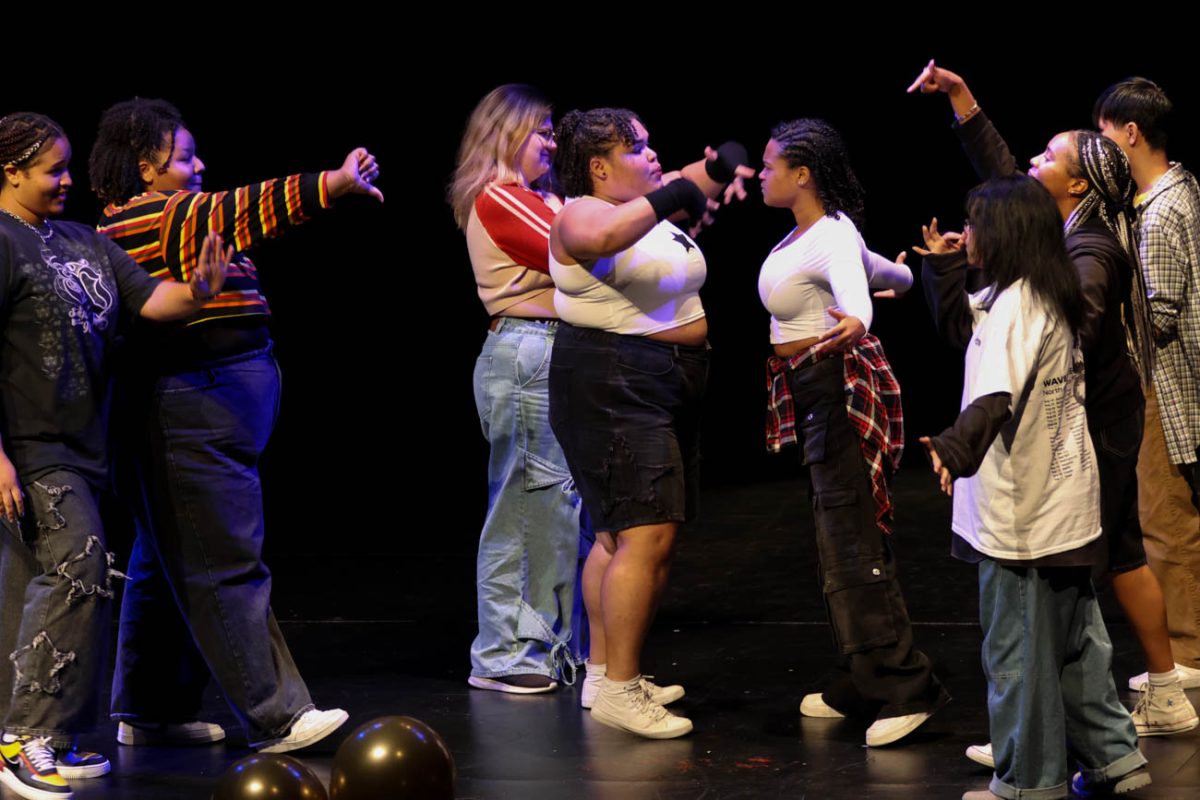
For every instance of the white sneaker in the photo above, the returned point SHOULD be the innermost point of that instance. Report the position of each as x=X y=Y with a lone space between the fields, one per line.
x=1188 y=676
x=813 y=705
x=169 y=733
x=893 y=729
x=631 y=709
x=1163 y=710
x=660 y=695
x=982 y=754
x=313 y=726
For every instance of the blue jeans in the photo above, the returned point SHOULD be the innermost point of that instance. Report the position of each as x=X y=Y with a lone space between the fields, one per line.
x=530 y=540
x=198 y=558
x=57 y=580
x=1048 y=660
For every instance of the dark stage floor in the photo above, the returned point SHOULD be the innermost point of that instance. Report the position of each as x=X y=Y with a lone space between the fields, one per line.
x=742 y=629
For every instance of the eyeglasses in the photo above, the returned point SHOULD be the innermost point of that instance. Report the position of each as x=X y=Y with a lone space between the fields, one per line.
x=547 y=134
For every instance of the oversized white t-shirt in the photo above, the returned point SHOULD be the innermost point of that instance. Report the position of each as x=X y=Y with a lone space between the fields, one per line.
x=1037 y=491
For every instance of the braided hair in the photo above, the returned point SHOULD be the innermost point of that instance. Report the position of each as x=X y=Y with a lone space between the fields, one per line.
x=583 y=135
x=1104 y=166
x=131 y=132
x=814 y=143
x=23 y=135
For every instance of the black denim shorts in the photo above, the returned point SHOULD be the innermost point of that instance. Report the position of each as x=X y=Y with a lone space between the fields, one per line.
x=1117 y=448
x=626 y=410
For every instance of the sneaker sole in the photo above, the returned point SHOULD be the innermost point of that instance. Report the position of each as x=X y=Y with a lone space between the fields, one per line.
x=30 y=792
x=508 y=688
x=80 y=773
x=133 y=736
x=819 y=709
x=314 y=737
x=612 y=722
x=1160 y=730
x=981 y=757
x=895 y=736
x=1132 y=783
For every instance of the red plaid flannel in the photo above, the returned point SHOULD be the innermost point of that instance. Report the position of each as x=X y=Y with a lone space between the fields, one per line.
x=872 y=406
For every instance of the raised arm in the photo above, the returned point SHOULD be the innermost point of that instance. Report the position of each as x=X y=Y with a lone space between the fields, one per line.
x=985 y=147
x=246 y=216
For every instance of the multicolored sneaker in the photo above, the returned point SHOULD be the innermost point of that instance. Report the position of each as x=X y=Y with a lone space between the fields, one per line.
x=76 y=764
x=28 y=769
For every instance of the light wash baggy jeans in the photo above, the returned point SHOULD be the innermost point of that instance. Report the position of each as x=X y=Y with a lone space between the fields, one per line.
x=529 y=546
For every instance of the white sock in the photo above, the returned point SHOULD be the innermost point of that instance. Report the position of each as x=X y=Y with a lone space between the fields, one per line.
x=599 y=670
x=611 y=687
x=1163 y=678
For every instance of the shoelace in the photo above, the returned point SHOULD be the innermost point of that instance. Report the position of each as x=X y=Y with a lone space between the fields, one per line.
x=644 y=705
x=40 y=754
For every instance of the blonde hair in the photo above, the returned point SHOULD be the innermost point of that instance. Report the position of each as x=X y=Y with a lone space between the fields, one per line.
x=497 y=128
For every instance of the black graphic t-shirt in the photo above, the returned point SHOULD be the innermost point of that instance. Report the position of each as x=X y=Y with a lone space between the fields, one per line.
x=59 y=303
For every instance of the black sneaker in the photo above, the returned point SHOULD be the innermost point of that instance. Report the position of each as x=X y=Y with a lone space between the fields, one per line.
x=75 y=764
x=28 y=769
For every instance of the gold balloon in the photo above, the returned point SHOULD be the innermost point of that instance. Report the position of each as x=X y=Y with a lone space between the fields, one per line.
x=393 y=758
x=266 y=776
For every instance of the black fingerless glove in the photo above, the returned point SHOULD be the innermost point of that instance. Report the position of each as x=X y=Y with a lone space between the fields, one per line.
x=680 y=194
x=730 y=156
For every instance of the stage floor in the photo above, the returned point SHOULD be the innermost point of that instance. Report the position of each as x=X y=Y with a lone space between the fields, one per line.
x=741 y=628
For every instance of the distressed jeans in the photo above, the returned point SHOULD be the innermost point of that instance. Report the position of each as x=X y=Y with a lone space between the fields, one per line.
x=56 y=581
x=1051 y=696
x=198 y=558
x=530 y=540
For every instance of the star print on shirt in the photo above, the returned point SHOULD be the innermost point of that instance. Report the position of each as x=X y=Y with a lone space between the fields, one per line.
x=687 y=244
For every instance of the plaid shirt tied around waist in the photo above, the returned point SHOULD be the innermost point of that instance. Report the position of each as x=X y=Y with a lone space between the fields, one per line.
x=872 y=406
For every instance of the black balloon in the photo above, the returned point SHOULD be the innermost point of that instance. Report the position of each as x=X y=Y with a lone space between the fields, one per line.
x=393 y=758
x=265 y=776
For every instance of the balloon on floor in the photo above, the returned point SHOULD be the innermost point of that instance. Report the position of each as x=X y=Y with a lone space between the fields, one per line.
x=265 y=775
x=398 y=758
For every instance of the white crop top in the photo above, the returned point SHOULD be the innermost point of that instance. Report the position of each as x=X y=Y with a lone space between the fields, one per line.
x=822 y=267
x=652 y=286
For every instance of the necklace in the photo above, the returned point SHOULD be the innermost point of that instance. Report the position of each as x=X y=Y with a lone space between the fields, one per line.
x=45 y=237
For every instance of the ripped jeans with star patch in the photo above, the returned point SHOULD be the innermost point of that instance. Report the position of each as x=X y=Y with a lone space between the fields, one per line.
x=56 y=584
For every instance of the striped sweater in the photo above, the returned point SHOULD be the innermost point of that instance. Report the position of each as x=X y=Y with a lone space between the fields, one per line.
x=163 y=231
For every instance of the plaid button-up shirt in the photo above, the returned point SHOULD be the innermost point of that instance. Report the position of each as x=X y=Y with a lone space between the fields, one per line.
x=1169 y=246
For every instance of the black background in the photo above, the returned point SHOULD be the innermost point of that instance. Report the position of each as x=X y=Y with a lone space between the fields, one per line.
x=375 y=479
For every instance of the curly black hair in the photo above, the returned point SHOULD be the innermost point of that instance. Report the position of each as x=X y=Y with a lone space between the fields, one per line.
x=130 y=132
x=583 y=135
x=814 y=143
x=24 y=134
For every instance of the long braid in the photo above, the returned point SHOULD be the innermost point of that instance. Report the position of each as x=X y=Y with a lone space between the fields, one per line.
x=1110 y=193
